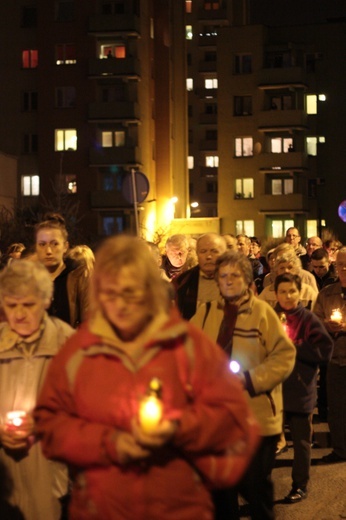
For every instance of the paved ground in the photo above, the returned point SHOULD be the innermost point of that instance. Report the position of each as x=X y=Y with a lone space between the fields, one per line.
x=327 y=490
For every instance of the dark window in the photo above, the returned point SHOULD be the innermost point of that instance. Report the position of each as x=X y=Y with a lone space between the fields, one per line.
x=64 y=10
x=211 y=135
x=29 y=16
x=242 y=105
x=30 y=101
x=243 y=64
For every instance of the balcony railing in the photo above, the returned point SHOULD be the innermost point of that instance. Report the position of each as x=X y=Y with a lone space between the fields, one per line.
x=115 y=111
x=282 y=77
x=121 y=156
x=274 y=120
x=108 y=199
x=115 y=67
x=291 y=202
x=275 y=161
x=124 y=24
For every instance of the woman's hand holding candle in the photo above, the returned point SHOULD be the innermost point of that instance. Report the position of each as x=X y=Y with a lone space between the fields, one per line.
x=15 y=433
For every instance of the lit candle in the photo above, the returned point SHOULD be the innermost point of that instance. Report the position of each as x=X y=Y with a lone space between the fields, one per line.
x=151 y=407
x=336 y=316
x=15 y=419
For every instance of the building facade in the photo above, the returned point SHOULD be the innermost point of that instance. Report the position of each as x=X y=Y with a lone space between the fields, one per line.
x=281 y=110
x=95 y=91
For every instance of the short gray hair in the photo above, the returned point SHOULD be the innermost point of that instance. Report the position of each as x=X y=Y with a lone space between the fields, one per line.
x=231 y=257
x=22 y=277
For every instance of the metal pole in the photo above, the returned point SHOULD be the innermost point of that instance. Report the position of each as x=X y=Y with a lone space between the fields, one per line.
x=134 y=194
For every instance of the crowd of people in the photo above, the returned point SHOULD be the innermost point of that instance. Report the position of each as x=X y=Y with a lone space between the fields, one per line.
x=231 y=345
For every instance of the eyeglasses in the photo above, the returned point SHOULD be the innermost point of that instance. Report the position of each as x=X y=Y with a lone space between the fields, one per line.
x=128 y=296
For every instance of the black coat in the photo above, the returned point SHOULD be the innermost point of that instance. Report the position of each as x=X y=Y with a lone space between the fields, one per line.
x=314 y=347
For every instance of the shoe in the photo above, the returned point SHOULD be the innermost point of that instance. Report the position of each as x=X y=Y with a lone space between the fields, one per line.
x=295 y=495
x=279 y=451
x=331 y=458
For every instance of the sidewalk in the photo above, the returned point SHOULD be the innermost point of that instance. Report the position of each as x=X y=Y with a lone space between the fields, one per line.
x=327 y=489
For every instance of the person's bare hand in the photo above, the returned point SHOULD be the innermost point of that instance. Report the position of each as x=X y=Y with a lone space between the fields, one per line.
x=128 y=449
x=17 y=437
x=163 y=433
x=334 y=326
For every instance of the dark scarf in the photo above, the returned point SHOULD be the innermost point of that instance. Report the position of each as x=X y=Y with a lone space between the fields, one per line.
x=225 y=336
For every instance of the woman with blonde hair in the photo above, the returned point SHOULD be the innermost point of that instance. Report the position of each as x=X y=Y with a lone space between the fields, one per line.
x=128 y=463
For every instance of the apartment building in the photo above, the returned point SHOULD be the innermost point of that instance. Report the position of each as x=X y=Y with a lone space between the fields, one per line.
x=92 y=92
x=204 y=19
x=281 y=114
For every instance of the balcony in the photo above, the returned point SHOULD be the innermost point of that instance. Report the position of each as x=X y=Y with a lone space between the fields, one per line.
x=114 y=68
x=208 y=145
x=212 y=14
x=282 y=78
x=114 y=25
x=281 y=120
x=207 y=119
x=208 y=171
x=118 y=111
x=294 y=161
x=121 y=156
x=207 y=66
x=206 y=93
x=102 y=199
x=207 y=40
x=294 y=202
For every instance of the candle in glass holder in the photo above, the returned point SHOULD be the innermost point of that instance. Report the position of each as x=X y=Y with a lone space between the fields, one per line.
x=336 y=316
x=15 y=419
x=151 y=407
x=283 y=319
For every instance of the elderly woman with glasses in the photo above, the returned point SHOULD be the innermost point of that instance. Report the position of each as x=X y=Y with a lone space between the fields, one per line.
x=29 y=339
x=129 y=461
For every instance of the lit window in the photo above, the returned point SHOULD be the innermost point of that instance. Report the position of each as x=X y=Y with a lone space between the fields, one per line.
x=311 y=145
x=212 y=5
x=212 y=161
x=279 y=226
x=65 y=139
x=281 y=186
x=188 y=32
x=311 y=104
x=190 y=162
x=65 y=97
x=189 y=84
x=245 y=227
x=242 y=105
x=117 y=50
x=71 y=184
x=311 y=228
x=113 y=138
x=65 y=54
x=321 y=97
x=244 y=189
x=30 y=185
x=281 y=144
x=210 y=83
x=30 y=59
x=188 y=6
x=243 y=146
x=321 y=139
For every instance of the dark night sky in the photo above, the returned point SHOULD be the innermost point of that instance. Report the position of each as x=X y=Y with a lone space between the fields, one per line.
x=295 y=12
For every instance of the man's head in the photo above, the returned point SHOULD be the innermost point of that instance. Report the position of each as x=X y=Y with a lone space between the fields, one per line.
x=209 y=247
x=243 y=243
x=293 y=237
x=177 y=248
x=320 y=262
x=312 y=244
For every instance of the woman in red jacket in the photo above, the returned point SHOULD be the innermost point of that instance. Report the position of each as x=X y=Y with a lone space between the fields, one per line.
x=88 y=415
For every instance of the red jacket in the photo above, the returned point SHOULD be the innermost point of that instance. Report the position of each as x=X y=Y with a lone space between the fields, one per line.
x=93 y=388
